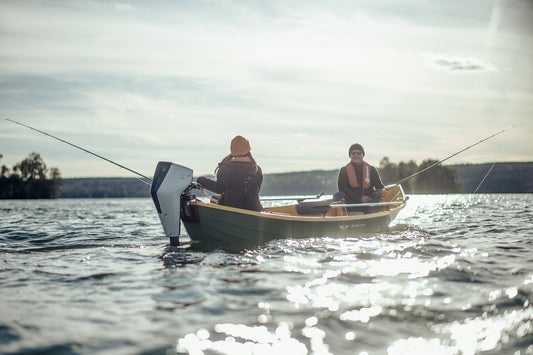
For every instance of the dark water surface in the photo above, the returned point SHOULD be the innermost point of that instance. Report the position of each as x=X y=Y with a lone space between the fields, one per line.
x=454 y=275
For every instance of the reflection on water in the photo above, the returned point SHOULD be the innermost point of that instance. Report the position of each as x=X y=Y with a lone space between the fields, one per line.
x=421 y=289
x=255 y=340
x=453 y=275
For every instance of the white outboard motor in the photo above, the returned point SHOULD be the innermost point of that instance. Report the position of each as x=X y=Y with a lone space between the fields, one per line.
x=170 y=180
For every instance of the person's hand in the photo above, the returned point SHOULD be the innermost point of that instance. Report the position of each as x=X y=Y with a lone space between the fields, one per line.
x=196 y=185
x=199 y=181
x=384 y=192
x=366 y=199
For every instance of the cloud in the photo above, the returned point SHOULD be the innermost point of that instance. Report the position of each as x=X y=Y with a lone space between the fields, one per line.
x=124 y=7
x=457 y=63
x=302 y=80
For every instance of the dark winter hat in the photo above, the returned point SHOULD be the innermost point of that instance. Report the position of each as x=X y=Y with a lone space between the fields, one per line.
x=239 y=146
x=356 y=146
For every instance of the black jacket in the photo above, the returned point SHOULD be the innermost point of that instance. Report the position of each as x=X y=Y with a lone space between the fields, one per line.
x=355 y=193
x=239 y=183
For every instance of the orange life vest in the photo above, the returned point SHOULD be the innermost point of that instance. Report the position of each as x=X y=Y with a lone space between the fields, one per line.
x=352 y=176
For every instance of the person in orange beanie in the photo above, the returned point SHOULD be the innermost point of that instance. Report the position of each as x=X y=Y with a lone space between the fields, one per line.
x=238 y=178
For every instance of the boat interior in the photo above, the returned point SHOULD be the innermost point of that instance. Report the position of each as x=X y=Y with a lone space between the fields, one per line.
x=330 y=208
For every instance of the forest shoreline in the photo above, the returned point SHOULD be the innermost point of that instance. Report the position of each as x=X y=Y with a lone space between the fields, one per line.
x=514 y=177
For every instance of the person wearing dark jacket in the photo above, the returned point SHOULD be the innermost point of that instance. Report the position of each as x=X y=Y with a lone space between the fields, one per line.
x=238 y=178
x=358 y=181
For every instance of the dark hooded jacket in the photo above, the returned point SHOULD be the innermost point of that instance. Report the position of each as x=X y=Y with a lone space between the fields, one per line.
x=354 y=194
x=239 y=183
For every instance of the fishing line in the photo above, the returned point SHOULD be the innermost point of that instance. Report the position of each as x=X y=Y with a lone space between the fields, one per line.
x=487 y=174
x=459 y=152
x=87 y=151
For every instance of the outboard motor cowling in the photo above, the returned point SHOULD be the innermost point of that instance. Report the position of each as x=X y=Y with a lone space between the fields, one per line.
x=170 y=180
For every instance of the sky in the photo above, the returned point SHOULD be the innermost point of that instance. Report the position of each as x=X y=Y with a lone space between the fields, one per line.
x=140 y=82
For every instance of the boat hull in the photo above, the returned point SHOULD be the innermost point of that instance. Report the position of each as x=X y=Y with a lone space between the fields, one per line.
x=221 y=224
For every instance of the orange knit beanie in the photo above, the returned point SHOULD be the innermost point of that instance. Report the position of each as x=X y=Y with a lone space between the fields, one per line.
x=239 y=146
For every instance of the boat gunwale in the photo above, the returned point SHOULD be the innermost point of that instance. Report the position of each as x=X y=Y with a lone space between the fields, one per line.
x=289 y=217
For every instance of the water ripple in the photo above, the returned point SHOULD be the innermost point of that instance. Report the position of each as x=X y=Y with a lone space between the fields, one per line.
x=453 y=274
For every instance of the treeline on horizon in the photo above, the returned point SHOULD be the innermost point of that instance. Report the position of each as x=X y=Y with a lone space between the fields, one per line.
x=504 y=178
x=463 y=178
x=31 y=179
x=439 y=179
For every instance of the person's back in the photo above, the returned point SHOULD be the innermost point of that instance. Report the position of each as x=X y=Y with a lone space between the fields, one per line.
x=242 y=181
x=238 y=178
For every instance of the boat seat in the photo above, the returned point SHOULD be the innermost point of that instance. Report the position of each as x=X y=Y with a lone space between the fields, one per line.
x=355 y=213
x=313 y=207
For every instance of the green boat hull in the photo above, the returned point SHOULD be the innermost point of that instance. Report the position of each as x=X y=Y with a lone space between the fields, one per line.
x=220 y=224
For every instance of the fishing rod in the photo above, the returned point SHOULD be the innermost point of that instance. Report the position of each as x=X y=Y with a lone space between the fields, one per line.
x=459 y=152
x=484 y=177
x=86 y=150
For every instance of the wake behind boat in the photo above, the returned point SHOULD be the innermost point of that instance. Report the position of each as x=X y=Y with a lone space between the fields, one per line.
x=209 y=222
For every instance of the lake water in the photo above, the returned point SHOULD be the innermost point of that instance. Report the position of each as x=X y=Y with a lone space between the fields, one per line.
x=453 y=275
